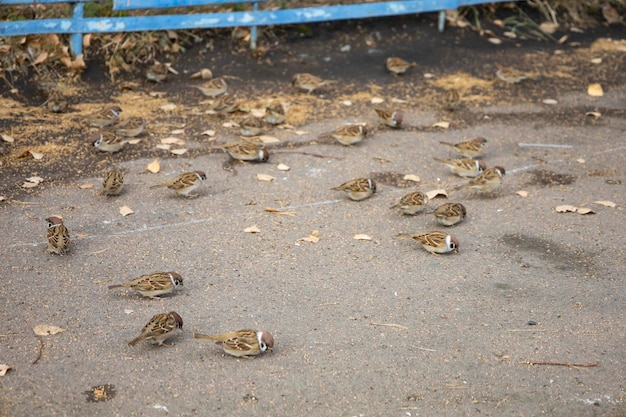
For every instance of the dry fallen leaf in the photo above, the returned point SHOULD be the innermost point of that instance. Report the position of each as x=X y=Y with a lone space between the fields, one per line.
x=284 y=212
x=3 y=197
x=595 y=90
x=580 y=161
x=80 y=235
x=300 y=132
x=133 y=141
x=443 y=125
x=347 y=103
x=32 y=182
x=495 y=41
x=7 y=138
x=595 y=114
x=178 y=151
x=584 y=210
x=550 y=101
x=85 y=186
x=283 y=167
x=3 y=369
x=313 y=237
x=46 y=329
x=268 y=139
x=258 y=113
x=252 y=229
x=596 y=61
x=154 y=166
x=172 y=141
x=565 y=208
x=377 y=100
x=265 y=177
x=436 y=193
x=163 y=146
x=168 y=107
x=605 y=203
x=126 y=211
x=209 y=132
x=362 y=236
x=36 y=155
x=549 y=27
x=230 y=124
x=40 y=58
x=411 y=177
x=522 y=193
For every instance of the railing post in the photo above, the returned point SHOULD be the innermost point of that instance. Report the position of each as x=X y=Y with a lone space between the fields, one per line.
x=253 y=30
x=76 y=39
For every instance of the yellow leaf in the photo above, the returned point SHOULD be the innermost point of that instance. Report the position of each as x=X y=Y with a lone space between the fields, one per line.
x=411 y=177
x=36 y=155
x=565 y=208
x=46 y=329
x=85 y=186
x=252 y=229
x=265 y=177
x=584 y=210
x=595 y=90
x=362 y=236
x=126 y=211
x=443 y=125
x=522 y=193
x=436 y=193
x=7 y=138
x=283 y=167
x=172 y=141
x=178 y=151
x=154 y=166
x=4 y=368
x=605 y=203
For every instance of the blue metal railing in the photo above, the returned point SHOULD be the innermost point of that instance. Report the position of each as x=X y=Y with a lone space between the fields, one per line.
x=77 y=25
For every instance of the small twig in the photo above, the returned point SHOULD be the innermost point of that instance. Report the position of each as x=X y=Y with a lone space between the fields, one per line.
x=40 y=353
x=527 y=330
x=397 y=326
x=543 y=145
x=451 y=387
x=424 y=349
x=568 y=364
x=98 y=251
x=409 y=408
x=310 y=154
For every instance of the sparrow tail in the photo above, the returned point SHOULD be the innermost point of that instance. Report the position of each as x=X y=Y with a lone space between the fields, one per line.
x=136 y=340
x=158 y=186
x=447 y=143
x=111 y=287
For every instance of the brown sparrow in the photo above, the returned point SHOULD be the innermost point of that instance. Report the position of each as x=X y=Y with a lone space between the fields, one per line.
x=486 y=182
x=412 y=203
x=611 y=15
x=131 y=127
x=465 y=167
x=224 y=104
x=449 y=214
x=470 y=149
x=214 y=87
x=434 y=242
x=58 y=236
x=105 y=117
x=251 y=126
x=398 y=66
x=275 y=114
x=510 y=75
x=451 y=100
x=390 y=118
x=185 y=184
x=157 y=72
x=153 y=285
x=349 y=135
x=357 y=189
x=247 y=151
x=160 y=328
x=309 y=83
x=106 y=141
x=242 y=342
x=57 y=102
x=112 y=183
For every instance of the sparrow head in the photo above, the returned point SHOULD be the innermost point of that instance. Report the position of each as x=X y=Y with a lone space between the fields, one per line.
x=500 y=170
x=397 y=117
x=264 y=155
x=463 y=210
x=266 y=340
x=178 y=280
x=177 y=318
x=54 y=221
x=481 y=166
x=363 y=130
x=200 y=175
x=452 y=243
x=372 y=185
x=480 y=140
x=116 y=110
x=96 y=139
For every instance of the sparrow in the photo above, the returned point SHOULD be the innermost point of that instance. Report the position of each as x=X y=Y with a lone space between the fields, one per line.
x=251 y=126
x=486 y=182
x=451 y=100
x=184 y=184
x=449 y=214
x=131 y=127
x=349 y=135
x=390 y=118
x=157 y=72
x=213 y=88
x=464 y=167
x=470 y=149
x=357 y=189
x=275 y=114
x=57 y=102
x=398 y=66
x=58 y=236
x=242 y=342
x=106 y=141
x=224 y=104
x=160 y=328
x=510 y=75
x=611 y=15
x=412 y=203
x=105 y=117
x=247 y=151
x=112 y=183
x=308 y=82
x=434 y=242
x=153 y=285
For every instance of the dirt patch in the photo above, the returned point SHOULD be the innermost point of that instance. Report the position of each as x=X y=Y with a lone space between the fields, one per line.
x=548 y=178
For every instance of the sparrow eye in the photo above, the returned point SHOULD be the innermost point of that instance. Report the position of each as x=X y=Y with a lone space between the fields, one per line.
x=452 y=245
x=263 y=346
x=49 y=224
